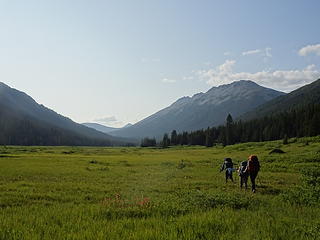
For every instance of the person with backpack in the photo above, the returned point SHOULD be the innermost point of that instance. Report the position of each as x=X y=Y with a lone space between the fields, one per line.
x=243 y=174
x=253 y=167
x=228 y=167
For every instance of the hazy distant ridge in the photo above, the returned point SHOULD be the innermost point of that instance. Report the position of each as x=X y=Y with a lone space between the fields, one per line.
x=103 y=128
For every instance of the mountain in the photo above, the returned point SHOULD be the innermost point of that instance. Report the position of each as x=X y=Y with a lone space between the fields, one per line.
x=127 y=125
x=100 y=127
x=202 y=110
x=308 y=94
x=25 y=122
x=103 y=128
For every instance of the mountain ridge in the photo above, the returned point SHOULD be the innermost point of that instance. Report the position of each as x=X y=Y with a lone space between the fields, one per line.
x=23 y=122
x=307 y=94
x=99 y=127
x=202 y=109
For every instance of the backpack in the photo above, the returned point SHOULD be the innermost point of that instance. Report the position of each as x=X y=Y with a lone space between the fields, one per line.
x=253 y=164
x=228 y=163
x=243 y=166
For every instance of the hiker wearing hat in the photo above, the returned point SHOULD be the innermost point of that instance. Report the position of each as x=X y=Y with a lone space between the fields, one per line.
x=253 y=167
x=228 y=167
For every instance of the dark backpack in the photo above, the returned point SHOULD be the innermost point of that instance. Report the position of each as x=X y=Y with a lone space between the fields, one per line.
x=243 y=166
x=228 y=163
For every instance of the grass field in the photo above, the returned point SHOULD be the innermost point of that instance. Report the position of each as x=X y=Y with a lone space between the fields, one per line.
x=149 y=193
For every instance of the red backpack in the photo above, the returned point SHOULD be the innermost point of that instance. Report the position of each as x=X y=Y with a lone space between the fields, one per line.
x=253 y=164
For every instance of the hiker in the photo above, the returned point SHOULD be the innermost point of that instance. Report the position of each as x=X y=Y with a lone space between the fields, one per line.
x=253 y=168
x=228 y=167
x=243 y=174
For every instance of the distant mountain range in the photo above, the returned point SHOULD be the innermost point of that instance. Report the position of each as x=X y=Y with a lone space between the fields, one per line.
x=25 y=122
x=103 y=128
x=202 y=110
x=99 y=127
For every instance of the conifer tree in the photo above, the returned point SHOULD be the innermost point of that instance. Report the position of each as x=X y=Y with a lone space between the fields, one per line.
x=174 y=137
x=165 y=141
x=229 y=130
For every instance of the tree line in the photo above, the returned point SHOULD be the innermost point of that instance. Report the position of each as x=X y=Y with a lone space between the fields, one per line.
x=299 y=122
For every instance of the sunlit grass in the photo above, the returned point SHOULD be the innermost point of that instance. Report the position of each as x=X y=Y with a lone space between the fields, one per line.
x=150 y=193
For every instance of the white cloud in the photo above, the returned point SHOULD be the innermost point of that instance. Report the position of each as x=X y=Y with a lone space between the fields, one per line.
x=310 y=49
x=285 y=80
x=167 y=80
x=227 y=53
x=266 y=52
x=250 y=52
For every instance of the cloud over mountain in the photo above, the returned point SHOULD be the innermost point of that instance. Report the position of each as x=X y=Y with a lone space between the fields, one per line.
x=284 y=80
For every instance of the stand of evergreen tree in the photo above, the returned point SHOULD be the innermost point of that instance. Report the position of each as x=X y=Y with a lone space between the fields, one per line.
x=148 y=142
x=303 y=121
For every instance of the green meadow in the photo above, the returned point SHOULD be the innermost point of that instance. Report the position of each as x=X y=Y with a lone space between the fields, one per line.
x=153 y=193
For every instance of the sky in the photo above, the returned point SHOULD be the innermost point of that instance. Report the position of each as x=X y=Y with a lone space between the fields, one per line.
x=117 y=62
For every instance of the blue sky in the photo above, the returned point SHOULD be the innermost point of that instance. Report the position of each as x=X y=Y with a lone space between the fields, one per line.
x=116 y=62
